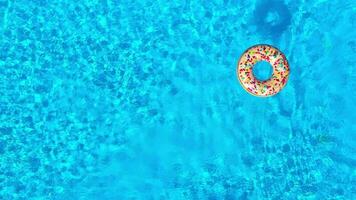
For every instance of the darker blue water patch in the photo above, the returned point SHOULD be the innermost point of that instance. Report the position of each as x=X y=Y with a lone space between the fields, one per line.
x=248 y=160
x=309 y=189
x=19 y=186
x=262 y=70
x=341 y=159
x=34 y=163
x=271 y=18
x=286 y=148
x=3 y=4
x=2 y=147
x=5 y=130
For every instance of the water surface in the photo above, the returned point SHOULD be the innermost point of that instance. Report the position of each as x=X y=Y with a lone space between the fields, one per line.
x=110 y=99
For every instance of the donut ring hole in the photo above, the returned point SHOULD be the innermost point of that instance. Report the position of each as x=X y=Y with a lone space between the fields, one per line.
x=262 y=70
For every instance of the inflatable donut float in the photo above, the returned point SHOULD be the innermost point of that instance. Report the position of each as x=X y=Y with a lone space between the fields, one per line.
x=279 y=76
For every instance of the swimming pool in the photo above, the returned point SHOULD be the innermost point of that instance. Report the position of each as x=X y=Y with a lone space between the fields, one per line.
x=105 y=99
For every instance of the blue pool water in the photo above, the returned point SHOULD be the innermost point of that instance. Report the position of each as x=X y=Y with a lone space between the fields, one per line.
x=109 y=99
x=262 y=70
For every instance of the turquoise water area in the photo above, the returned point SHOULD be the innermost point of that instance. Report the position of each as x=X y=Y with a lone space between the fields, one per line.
x=262 y=70
x=109 y=99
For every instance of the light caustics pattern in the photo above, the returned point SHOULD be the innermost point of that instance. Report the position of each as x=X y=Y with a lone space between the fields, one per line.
x=109 y=99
